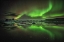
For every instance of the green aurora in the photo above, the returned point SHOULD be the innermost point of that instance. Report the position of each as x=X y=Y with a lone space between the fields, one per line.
x=36 y=12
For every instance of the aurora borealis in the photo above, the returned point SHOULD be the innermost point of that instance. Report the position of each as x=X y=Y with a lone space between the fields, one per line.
x=45 y=10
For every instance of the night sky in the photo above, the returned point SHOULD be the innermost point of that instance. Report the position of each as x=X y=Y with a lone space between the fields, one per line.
x=33 y=9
